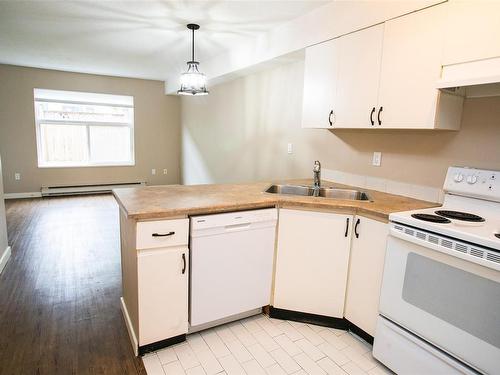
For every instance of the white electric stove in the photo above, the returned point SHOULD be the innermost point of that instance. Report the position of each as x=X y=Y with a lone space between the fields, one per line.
x=440 y=298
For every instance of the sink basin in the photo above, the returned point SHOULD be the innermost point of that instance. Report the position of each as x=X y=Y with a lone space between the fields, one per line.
x=343 y=194
x=291 y=189
x=324 y=192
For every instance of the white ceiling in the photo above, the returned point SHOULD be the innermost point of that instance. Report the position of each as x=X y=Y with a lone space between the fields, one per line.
x=142 y=39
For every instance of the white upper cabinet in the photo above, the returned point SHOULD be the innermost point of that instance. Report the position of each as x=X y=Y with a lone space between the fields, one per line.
x=311 y=262
x=387 y=76
x=320 y=85
x=358 y=78
x=472 y=32
x=411 y=66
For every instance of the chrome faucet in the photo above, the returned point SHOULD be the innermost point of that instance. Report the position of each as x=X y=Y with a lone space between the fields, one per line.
x=317 y=174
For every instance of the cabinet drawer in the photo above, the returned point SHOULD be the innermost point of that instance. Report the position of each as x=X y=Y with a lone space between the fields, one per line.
x=162 y=233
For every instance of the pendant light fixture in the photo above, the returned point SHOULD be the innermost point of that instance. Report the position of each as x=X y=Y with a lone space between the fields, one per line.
x=193 y=82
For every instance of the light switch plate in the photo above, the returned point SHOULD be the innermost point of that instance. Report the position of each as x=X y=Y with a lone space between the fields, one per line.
x=153 y=171
x=377 y=159
x=17 y=176
x=290 y=148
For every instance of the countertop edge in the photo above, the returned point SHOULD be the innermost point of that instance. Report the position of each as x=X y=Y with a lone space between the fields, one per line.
x=356 y=207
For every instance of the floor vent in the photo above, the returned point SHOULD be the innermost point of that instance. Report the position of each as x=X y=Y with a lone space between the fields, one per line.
x=48 y=191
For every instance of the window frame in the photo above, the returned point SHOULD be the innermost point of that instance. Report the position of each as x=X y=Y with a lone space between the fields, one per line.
x=90 y=164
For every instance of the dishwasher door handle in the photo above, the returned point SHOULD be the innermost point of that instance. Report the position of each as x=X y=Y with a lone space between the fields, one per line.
x=235 y=227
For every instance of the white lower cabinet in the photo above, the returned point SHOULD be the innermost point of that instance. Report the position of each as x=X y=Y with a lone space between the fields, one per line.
x=327 y=264
x=162 y=293
x=366 y=266
x=155 y=275
x=312 y=261
x=330 y=264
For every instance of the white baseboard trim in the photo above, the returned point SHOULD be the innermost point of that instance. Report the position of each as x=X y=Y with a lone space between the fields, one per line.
x=35 y=194
x=422 y=192
x=5 y=258
x=130 y=328
x=87 y=189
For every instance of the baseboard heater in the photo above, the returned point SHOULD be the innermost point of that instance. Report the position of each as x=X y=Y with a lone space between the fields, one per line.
x=48 y=191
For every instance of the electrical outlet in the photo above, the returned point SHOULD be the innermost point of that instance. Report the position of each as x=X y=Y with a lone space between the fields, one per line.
x=17 y=176
x=153 y=171
x=290 y=148
x=165 y=171
x=377 y=159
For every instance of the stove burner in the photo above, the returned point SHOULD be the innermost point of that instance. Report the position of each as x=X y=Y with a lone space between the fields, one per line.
x=431 y=218
x=497 y=235
x=457 y=215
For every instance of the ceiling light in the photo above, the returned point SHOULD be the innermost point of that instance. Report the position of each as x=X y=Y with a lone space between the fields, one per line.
x=193 y=82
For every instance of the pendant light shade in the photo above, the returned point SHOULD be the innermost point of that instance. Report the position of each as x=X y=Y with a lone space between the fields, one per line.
x=193 y=82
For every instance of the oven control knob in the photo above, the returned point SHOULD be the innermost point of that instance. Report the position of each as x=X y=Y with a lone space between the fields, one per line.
x=458 y=177
x=471 y=179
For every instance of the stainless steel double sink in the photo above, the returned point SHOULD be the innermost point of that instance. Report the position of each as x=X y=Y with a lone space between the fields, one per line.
x=324 y=192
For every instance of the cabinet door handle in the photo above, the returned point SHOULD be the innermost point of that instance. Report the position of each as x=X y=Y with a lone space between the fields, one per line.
x=378 y=115
x=356 y=229
x=371 y=116
x=330 y=118
x=163 y=234
x=346 y=227
x=184 y=262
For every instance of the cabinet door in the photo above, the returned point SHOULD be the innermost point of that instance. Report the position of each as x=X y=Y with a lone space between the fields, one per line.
x=311 y=262
x=320 y=85
x=163 y=293
x=472 y=32
x=366 y=266
x=358 y=78
x=411 y=66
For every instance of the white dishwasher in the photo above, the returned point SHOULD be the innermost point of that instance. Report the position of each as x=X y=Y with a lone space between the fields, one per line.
x=231 y=263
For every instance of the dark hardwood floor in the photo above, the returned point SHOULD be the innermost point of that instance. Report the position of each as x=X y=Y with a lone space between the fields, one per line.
x=60 y=291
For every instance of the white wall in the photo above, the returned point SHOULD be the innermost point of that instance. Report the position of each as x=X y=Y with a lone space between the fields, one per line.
x=4 y=249
x=156 y=130
x=240 y=133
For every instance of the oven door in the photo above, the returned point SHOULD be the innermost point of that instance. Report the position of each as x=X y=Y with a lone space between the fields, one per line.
x=449 y=302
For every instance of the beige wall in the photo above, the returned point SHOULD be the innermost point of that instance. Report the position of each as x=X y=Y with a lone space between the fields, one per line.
x=157 y=129
x=3 y=223
x=241 y=130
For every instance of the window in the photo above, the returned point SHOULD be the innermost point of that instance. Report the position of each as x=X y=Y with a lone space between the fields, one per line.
x=79 y=129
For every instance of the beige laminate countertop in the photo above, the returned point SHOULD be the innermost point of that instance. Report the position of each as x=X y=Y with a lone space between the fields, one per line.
x=156 y=202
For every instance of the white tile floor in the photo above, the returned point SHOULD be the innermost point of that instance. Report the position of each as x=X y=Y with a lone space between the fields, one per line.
x=260 y=345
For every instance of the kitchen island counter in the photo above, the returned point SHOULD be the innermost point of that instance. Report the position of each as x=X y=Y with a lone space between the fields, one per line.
x=168 y=201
